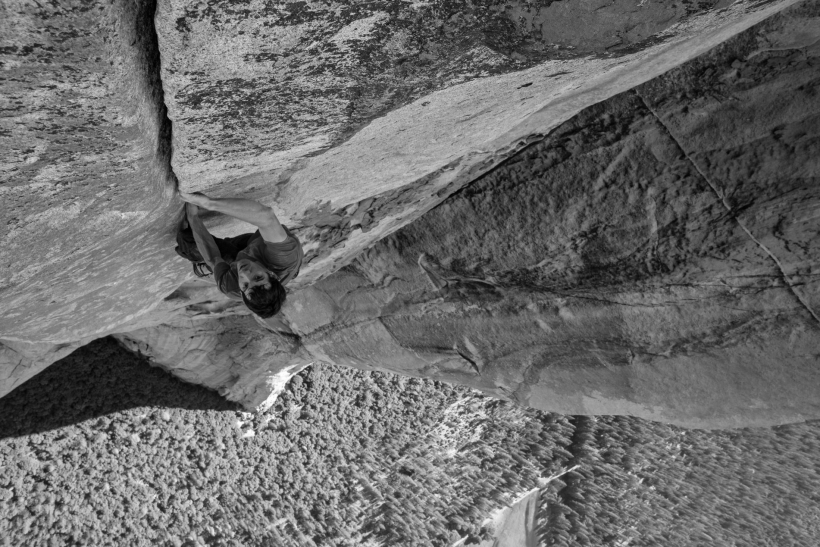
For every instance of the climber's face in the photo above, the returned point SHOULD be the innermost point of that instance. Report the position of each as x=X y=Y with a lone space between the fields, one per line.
x=251 y=275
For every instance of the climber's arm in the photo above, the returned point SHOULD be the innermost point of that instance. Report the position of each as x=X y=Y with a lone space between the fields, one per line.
x=204 y=240
x=246 y=210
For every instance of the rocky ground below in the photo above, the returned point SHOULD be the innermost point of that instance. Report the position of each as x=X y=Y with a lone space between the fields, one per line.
x=102 y=449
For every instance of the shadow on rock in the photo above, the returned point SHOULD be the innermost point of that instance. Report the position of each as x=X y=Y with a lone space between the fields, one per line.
x=98 y=379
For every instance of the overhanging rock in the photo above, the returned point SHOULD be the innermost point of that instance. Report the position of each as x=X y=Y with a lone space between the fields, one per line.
x=234 y=355
x=270 y=102
x=86 y=181
x=655 y=256
x=87 y=246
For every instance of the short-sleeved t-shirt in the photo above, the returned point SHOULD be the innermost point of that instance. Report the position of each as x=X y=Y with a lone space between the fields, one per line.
x=283 y=259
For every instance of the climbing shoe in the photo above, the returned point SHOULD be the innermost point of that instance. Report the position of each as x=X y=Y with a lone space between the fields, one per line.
x=201 y=269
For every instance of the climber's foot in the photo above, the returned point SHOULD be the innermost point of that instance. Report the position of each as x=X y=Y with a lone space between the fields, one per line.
x=201 y=269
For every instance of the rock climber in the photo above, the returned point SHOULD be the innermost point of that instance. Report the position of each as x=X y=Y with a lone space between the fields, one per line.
x=250 y=267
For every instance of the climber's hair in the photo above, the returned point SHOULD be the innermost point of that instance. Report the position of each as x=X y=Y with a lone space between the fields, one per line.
x=265 y=302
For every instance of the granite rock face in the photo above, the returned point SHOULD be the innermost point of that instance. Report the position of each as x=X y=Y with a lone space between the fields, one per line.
x=651 y=254
x=86 y=185
x=353 y=121
x=654 y=256
x=234 y=355
x=253 y=87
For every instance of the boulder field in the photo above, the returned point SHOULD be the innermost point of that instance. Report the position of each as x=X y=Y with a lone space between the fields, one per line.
x=587 y=208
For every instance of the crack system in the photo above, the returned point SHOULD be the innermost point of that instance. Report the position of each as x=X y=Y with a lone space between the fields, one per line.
x=722 y=198
x=139 y=30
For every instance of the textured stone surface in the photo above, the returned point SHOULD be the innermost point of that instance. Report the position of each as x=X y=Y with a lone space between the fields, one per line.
x=86 y=244
x=255 y=85
x=653 y=255
x=269 y=100
x=85 y=186
x=20 y=361
x=515 y=526
x=84 y=178
x=234 y=355
x=604 y=269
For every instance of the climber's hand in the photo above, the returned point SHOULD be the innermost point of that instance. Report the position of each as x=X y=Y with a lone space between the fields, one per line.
x=191 y=210
x=196 y=198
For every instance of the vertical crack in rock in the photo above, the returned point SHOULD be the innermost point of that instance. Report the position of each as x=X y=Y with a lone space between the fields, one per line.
x=146 y=47
x=722 y=197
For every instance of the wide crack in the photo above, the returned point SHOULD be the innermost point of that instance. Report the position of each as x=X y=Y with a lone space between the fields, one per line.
x=137 y=23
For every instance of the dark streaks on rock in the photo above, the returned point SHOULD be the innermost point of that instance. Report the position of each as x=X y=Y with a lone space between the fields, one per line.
x=595 y=253
x=325 y=70
x=597 y=271
x=732 y=213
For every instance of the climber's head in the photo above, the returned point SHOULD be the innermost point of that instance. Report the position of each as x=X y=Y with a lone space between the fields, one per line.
x=261 y=290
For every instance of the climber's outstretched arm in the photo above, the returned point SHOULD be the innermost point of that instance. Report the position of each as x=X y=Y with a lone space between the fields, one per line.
x=246 y=210
x=204 y=240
